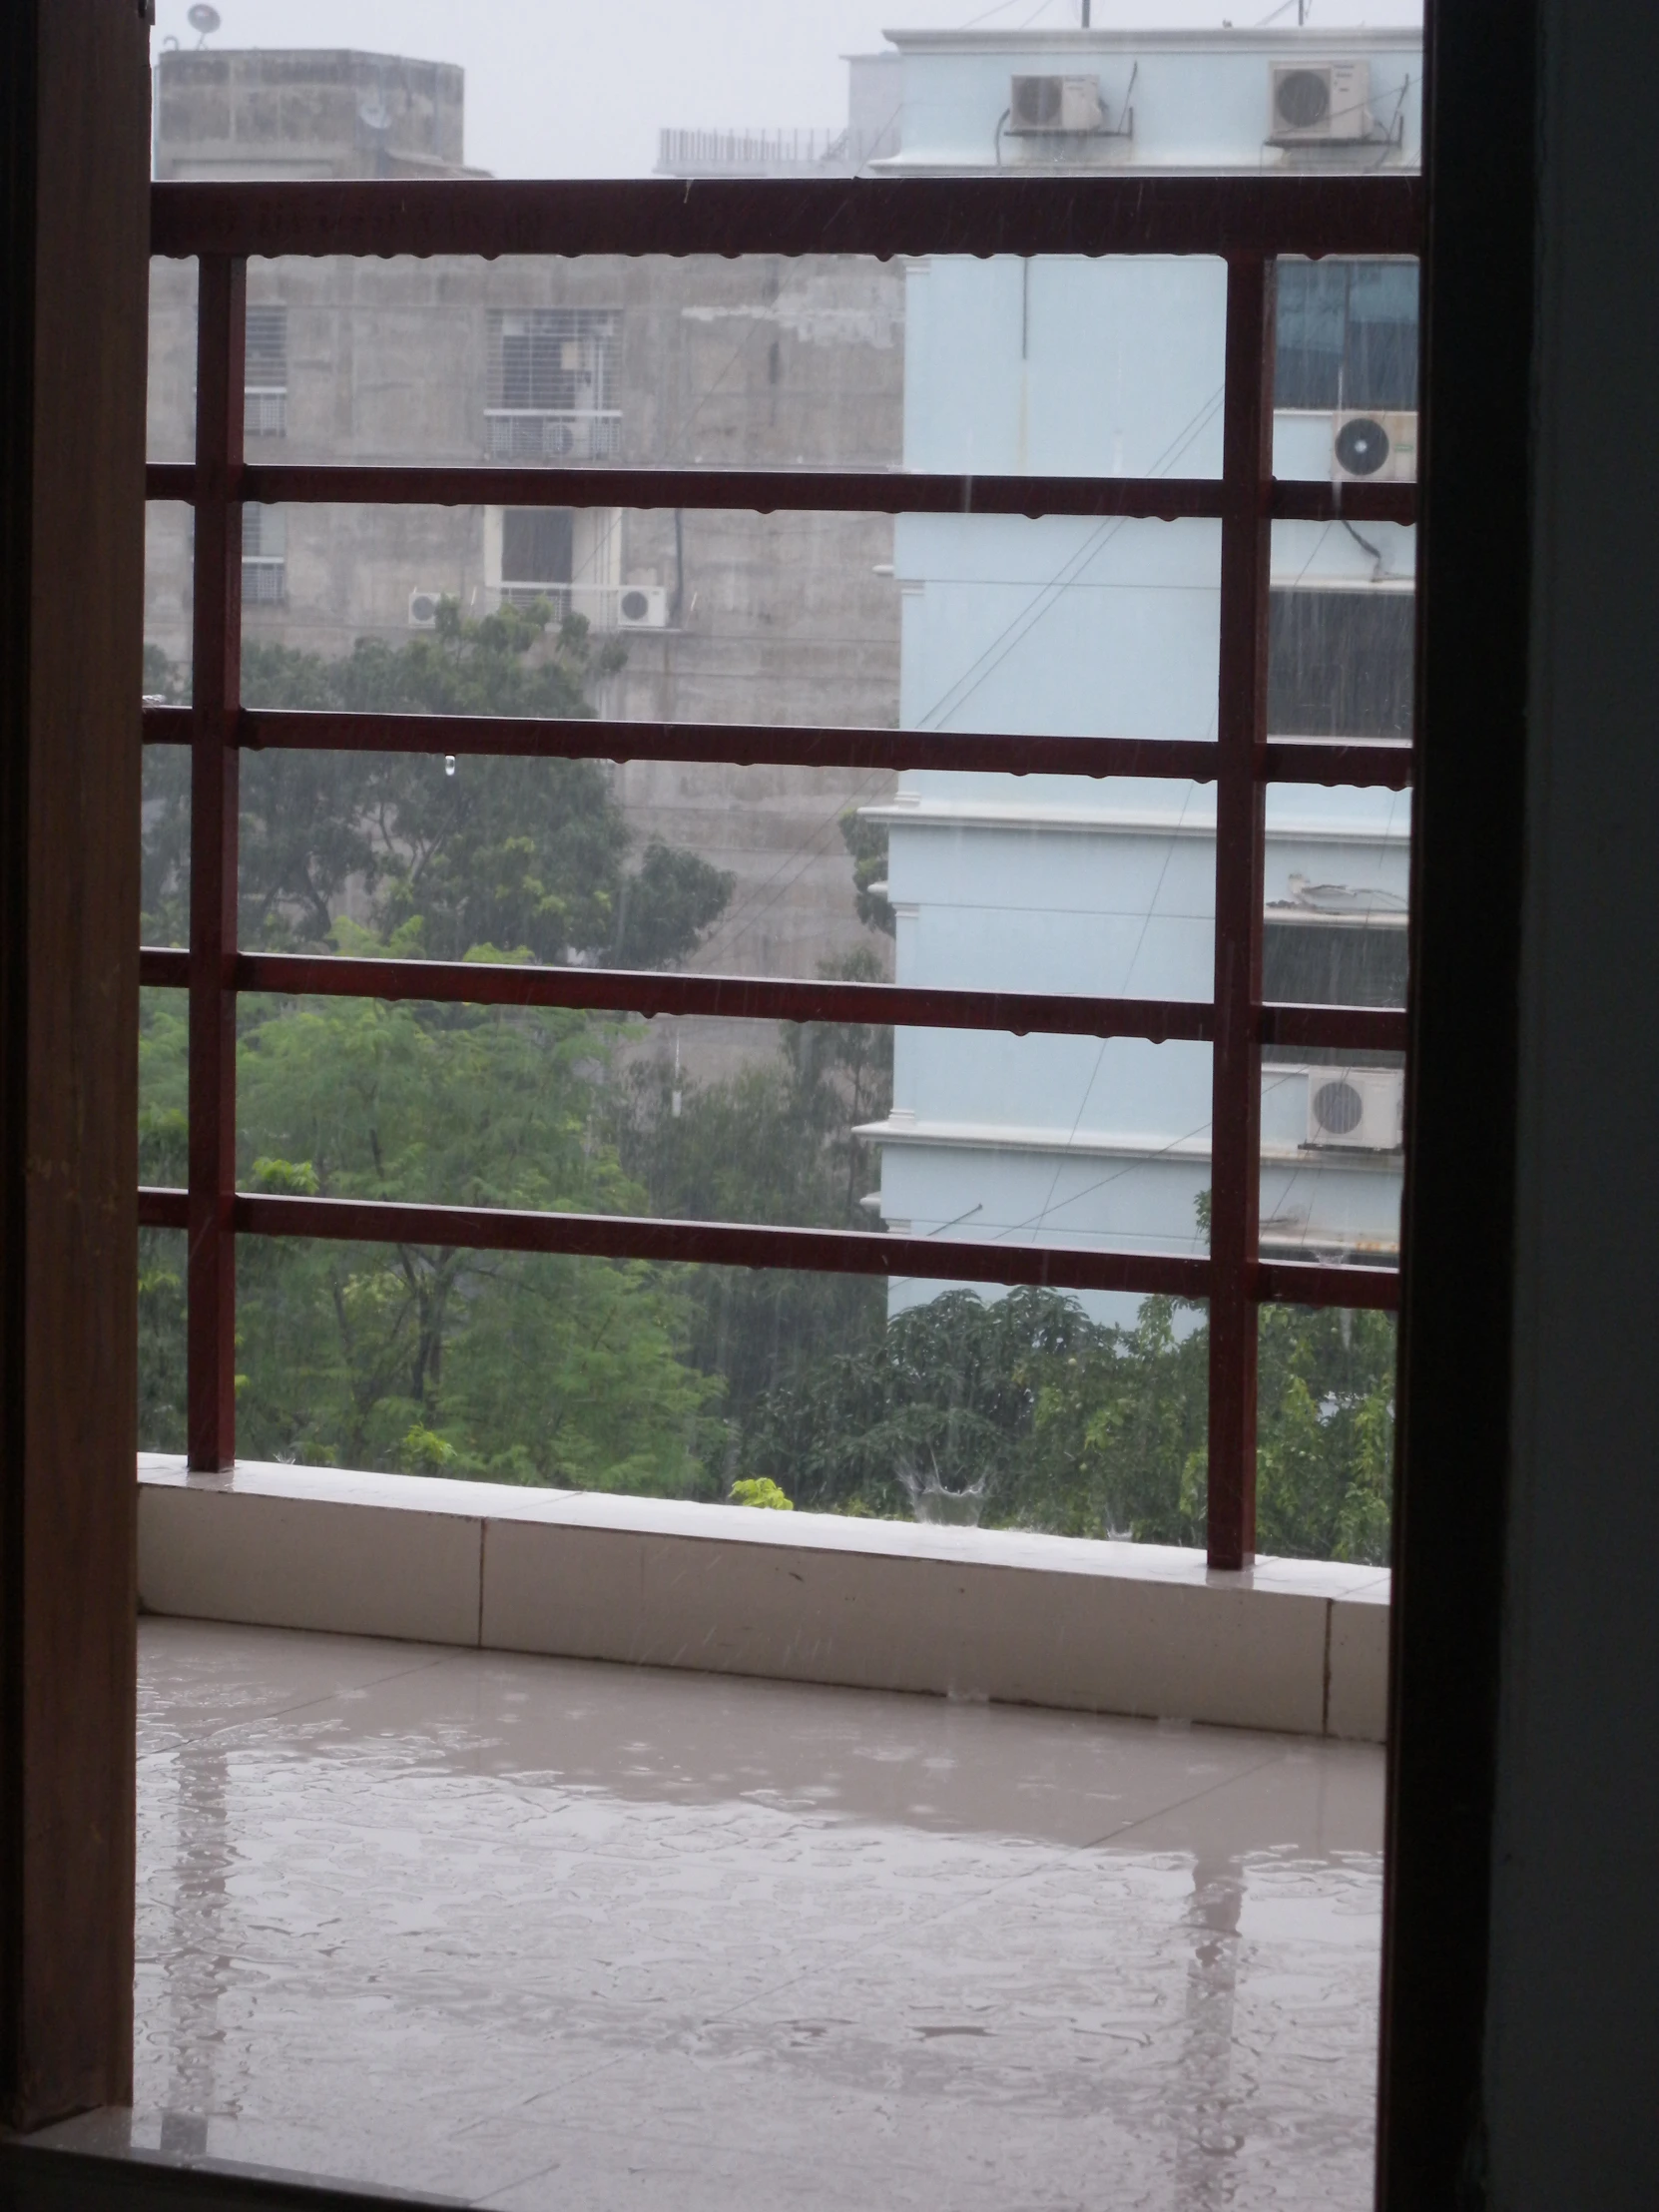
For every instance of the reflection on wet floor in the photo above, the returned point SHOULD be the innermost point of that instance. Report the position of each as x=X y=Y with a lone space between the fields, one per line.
x=534 y=1932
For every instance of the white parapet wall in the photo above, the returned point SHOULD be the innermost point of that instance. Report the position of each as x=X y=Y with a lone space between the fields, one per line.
x=1290 y=1644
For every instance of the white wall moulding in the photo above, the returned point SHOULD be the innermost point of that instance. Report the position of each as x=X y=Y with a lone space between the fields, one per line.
x=981 y=1614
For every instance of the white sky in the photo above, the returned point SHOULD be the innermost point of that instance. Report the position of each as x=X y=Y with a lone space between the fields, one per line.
x=580 y=88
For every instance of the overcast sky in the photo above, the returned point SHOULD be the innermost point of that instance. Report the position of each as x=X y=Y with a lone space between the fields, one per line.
x=580 y=88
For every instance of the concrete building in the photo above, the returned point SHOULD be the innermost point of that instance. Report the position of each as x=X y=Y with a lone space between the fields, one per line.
x=727 y=615
x=1110 y=628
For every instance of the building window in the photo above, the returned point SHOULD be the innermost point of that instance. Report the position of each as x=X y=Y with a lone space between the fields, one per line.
x=266 y=375
x=552 y=385
x=1339 y=662
x=1347 y=336
x=537 y=547
x=264 y=546
x=1356 y=960
x=1330 y=945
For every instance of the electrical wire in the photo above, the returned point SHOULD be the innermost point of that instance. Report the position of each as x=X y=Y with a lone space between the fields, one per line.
x=1069 y=573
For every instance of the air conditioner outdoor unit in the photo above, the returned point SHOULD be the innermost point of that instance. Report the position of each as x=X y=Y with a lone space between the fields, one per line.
x=1319 y=103
x=1374 y=448
x=1044 y=104
x=642 y=607
x=1356 y=1109
x=424 y=609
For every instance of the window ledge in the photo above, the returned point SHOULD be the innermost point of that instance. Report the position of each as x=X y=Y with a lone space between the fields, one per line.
x=979 y=1614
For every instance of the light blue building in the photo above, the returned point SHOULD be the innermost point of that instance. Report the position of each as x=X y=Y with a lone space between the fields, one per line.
x=1061 y=625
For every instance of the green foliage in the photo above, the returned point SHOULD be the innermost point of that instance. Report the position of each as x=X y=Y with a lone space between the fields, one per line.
x=665 y=907
x=867 y=842
x=772 y=1144
x=520 y=852
x=1325 y=1456
x=517 y=1368
x=950 y=1387
x=1086 y=1430
x=762 y=1493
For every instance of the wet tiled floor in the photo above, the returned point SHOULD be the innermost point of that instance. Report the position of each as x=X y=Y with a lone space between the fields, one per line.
x=535 y=1932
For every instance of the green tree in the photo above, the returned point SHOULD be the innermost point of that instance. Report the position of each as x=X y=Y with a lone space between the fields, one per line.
x=772 y=1144
x=520 y=852
x=1324 y=1451
x=535 y=1368
x=866 y=844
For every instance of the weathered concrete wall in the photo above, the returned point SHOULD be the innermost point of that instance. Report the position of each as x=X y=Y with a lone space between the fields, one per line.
x=767 y=362
x=300 y=114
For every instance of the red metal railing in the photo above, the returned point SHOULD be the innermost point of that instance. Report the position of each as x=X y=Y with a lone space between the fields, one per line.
x=1245 y=221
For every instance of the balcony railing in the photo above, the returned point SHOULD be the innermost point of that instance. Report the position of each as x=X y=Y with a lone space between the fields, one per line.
x=554 y=433
x=1247 y=222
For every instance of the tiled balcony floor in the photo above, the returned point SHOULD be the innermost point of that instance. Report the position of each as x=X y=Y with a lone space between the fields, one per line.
x=536 y=1932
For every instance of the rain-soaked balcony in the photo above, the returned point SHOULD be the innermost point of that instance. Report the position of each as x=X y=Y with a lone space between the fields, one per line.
x=536 y=1932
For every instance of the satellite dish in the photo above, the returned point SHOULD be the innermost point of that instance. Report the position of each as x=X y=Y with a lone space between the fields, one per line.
x=203 y=18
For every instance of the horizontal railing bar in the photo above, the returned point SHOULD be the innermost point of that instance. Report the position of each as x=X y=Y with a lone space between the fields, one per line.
x=1334 y=1028
x=1284 y=760
x=768 y=998
x=975 y=216
x=1383 y=766
x=1307 y=1283
x=740 y=744
x=742 y=490
x=722 y=997
x=891 y=491
x=814 y=1251
x=1311 y=499
x=705 y=1243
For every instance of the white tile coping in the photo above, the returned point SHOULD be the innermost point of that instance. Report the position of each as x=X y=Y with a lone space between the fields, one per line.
x=1291 y=1644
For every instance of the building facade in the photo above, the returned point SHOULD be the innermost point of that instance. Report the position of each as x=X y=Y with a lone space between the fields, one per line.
x=1065 y=626
x=725 y=616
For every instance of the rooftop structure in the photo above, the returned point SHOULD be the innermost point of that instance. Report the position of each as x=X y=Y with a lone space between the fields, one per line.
x=1196 y=101
x=871 y=134
x=291 y=115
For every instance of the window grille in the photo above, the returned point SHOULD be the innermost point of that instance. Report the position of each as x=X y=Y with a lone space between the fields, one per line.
x=1248 y=222
x=264 y=551
x=266 y=374
x=552 y=385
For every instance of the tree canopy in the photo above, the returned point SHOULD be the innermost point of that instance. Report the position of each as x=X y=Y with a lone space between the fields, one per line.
x=528 y=854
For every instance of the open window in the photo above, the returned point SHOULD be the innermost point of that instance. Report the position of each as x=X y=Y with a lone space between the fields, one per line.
x=1347 y=336
x=1340 y=661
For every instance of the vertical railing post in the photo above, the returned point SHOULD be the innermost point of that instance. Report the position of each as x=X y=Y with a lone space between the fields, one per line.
x=1235 y=1133
x=215 y=656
